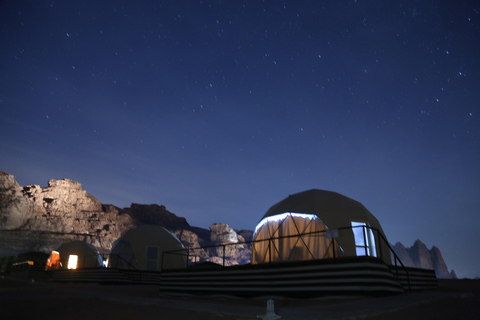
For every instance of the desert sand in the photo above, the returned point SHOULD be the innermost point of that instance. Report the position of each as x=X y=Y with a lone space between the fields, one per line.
x=26 y=299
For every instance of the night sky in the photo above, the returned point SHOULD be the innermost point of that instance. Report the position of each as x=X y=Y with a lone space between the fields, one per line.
x=220 y=109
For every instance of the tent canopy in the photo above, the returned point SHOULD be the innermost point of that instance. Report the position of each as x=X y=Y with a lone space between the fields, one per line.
x=317 y=211
x=146 y=248
x=334 y=209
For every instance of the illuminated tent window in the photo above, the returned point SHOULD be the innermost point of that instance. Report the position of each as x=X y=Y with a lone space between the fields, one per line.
x=53 y=261
x=288 y=237
x=72 y=261
x=364 y=239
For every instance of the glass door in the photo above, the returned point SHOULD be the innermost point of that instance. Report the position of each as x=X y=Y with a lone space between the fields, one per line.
x=364 y=239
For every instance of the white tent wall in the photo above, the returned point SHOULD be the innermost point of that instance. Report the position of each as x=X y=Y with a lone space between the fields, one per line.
x=145 y=247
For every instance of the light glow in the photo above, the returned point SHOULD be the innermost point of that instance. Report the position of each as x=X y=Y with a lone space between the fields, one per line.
x=72 y=261
x=283 y=216
x=53 y=261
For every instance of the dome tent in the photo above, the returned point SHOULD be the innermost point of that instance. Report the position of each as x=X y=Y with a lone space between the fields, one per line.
x=144 y=247
x=296 y=229
x=74 y=255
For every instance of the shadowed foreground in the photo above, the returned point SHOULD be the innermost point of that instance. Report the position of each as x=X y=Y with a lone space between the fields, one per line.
x=20 y=299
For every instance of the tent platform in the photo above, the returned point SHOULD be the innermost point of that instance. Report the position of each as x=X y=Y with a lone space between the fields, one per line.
x=355 y=276
x=329 y=277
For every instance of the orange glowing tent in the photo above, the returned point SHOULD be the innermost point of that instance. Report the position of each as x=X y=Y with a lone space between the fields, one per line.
x=53 y=261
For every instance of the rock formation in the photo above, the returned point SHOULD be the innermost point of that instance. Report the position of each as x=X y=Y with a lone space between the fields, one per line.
x=14 y=207
x=403 y=254
x=229 y=253
x=33 y=218
x=156 y=215
x=246 y=234
x=40 y=219
x=419 y=256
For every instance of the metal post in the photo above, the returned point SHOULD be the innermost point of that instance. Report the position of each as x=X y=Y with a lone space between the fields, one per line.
x=224 y=255
x=270 y=250
x=379 y=245
x=163 y=261
x=365 y=240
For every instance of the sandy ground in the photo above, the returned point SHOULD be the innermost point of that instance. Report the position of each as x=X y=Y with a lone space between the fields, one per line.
x=22 y=299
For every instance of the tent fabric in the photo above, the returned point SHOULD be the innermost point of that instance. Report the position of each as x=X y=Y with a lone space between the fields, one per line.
x=88 y=256
x=147 y=248
x=330 y=207
x=335 y=211
x=292 y=237
x=123 y=249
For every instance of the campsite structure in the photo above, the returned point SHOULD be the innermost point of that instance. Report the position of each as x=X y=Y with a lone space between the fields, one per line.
x=317 y=224
x=74 y=255
x=313 y=243
x=310 y=244
x=143 y=248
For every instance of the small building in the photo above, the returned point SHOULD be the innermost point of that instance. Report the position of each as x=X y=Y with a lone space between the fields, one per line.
x=317 y=224
x=74 y=255
x=148 y=247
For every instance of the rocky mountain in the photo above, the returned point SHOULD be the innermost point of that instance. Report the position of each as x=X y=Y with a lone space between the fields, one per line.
x=33 y=218
x=39 y=219
x=419 y=256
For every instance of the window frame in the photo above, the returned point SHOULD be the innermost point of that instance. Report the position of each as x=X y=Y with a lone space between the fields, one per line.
x=149 y=261
x=366 y=246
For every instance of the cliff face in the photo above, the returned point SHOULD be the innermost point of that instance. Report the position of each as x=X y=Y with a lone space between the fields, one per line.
x=33 y=218
x=14 y=207
x=419 y=256
x=40 y=219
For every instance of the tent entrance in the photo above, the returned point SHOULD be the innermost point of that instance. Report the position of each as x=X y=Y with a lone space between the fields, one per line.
x=72 y=261
x=152 y=258
x=364 y=239
x=53 y=261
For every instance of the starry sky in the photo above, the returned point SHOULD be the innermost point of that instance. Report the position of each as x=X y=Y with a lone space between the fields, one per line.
x=220 y=109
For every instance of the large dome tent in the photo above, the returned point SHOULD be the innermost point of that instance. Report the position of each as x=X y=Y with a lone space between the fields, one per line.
x=317 y=224
x=148 y=247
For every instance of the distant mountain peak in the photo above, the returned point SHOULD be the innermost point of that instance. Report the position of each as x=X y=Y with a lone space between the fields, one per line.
x=419 y=256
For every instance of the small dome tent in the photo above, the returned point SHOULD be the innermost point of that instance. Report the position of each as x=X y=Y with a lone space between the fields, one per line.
x=148 y=248
x=317 y=224
x=74 y=255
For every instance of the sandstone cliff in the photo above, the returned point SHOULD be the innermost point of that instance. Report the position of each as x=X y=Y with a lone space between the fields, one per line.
x=40 y=219
x=419 y=256
x=14 y=207
x=33 y=218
